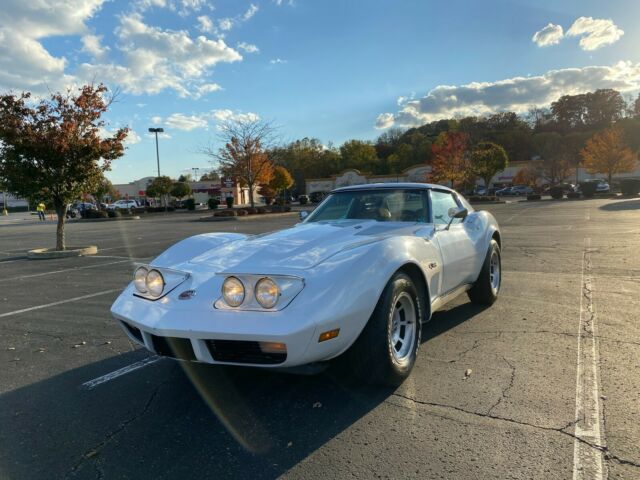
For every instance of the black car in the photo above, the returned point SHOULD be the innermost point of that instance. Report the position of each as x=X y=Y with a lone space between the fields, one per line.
x=317 y=197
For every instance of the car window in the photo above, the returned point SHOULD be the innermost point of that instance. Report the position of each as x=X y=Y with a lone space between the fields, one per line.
x=441 y=202
x=380 y=205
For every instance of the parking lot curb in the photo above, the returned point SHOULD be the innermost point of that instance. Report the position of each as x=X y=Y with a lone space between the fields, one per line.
x=135 y=217
x=47 y=253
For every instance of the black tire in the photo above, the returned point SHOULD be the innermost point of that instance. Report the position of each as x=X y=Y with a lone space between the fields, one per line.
x=371 y=357
x=483 y=291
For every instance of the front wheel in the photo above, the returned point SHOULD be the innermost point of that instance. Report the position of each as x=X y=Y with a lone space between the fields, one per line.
x=386 y=350
x=486 y=288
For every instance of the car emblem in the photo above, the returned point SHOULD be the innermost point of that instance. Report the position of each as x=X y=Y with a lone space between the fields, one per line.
x=187 y=294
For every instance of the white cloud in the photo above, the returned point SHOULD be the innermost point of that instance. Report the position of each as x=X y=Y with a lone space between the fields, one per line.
x=549 y=35
x=291 y=3
x=251 y=11
x=179 y=121
x=162 y=136
x=25 y=64
x=384 y=120
x=205 y=24
x=156 y=59
x=595 y=32
x=132 y=138
x=225 y=24
x=226 y=115
x=514 y=94
x=92 y=44
x=275 y=61
x=248 y=47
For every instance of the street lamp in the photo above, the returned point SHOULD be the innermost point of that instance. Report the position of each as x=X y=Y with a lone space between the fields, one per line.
x=157 y=131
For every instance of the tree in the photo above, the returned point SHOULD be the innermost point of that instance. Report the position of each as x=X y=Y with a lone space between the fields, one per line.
x=160 y=187
x=210 y=177
x=244 y=155
x=180 y=190
x=450 y=160
x=359 y=155
x=606 y=152
x=52 y=147
x=636 y=108
x=487 y=159
x=185 y=178
x=281 y=180
x=526 y=176
x=556 y=155
x=102 y=189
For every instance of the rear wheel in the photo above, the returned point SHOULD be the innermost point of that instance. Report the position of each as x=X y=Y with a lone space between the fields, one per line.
x=386 y=350
x=486 y=288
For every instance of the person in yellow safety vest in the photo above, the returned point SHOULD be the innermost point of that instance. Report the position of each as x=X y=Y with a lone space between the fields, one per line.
x=40 y=209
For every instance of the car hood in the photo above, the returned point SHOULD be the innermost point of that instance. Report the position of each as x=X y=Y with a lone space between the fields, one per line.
x=300 y=247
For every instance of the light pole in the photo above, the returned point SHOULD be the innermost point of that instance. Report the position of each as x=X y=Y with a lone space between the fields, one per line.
x=157 y=131
x=195 y=170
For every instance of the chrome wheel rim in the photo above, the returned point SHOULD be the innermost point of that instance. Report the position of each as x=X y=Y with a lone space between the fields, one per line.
x=494 y=271
x=403 y=328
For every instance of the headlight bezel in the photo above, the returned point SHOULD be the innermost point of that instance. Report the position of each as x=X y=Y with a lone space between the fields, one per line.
x=170 y=280
x=289 y=286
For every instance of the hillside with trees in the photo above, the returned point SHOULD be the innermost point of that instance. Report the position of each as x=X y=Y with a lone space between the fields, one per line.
x=556 y=136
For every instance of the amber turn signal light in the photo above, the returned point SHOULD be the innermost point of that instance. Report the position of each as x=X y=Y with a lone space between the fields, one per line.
x=328 y=335
x=273 y=347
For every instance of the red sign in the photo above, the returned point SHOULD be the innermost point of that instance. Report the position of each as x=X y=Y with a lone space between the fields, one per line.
x=141 y=193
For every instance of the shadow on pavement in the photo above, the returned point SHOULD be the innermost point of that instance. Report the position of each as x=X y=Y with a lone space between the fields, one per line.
x=152 y=423
x=622 y=205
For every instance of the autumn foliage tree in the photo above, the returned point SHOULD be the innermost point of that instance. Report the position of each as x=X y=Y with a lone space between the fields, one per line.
x=606 y=152
x=487 y=159
x=526 y=176
x=450 y=160
x=160 y=187
x=244 y=155
x=53 y=147
x=281 y=180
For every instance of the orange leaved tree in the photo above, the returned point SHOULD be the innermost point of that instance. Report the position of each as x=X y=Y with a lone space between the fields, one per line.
x=606 y=152
x=450 y=160
x=53 y=148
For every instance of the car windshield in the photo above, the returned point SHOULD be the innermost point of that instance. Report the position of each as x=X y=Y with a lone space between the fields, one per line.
x=384 y=205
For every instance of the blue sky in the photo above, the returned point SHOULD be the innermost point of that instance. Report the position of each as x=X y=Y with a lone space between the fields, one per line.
x=328 y=69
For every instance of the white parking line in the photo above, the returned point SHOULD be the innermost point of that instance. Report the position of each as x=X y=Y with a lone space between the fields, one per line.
x=53 y=304
x=60 y=271
x=91 y=384
x=587 y=460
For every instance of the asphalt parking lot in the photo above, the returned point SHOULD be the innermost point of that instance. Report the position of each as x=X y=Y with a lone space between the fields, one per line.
x=552 y=382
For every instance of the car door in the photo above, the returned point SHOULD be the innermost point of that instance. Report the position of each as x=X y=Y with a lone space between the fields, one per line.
x=457 y=243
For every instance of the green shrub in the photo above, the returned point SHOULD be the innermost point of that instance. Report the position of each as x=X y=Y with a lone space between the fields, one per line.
x=229 y=201
x=252 y=210
x=115 y=213
x=630 y=186
x=556 y=193
x=588 y=189
x=287 y=208
x=573 y=195
x=262 y=210
x=213 y=203
x=533 y=196
x=242 y=212
x=225 y=213
x=190 y=203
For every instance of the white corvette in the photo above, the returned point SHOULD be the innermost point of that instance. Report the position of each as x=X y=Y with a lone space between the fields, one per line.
x=356 y=279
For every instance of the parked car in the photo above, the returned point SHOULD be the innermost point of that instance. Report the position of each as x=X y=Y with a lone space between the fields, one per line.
x=354 y=281
x=601 y=185
x=521 y=190
x=303 y=199
x=480 y=190
x=504 y=191
x=124 y=204
x=80 y=206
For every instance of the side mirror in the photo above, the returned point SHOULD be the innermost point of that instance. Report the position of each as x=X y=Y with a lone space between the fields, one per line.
x=456 y=212
x=303 y=214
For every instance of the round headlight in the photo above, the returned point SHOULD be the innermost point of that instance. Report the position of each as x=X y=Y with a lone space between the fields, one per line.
x=139 y=279
x=233 y=292
x=267 y=292
x=154 y=283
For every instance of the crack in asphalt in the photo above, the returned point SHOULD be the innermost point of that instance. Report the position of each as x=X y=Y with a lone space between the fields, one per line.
x=608 y=455
x=94 y=451
x=507 y=388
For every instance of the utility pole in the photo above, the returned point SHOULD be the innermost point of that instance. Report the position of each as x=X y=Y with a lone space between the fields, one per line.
x=157 y=131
